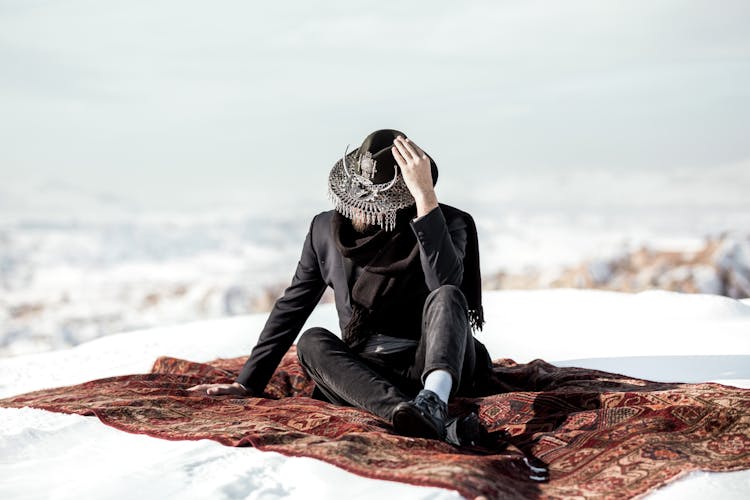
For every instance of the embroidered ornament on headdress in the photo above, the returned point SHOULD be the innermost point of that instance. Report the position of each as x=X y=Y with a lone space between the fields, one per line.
x=353 y=193
x=367 y=165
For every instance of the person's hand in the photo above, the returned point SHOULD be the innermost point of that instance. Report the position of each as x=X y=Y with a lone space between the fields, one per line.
x=233 y=389
x=415 y=169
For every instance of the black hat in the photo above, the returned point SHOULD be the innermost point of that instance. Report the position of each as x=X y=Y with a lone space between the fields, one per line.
x=367 y=181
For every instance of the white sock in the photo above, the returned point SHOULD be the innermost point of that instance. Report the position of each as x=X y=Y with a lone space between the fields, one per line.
x=439 y=382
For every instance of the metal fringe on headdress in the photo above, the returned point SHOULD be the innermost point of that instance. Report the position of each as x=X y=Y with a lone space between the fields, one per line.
x=386 y=219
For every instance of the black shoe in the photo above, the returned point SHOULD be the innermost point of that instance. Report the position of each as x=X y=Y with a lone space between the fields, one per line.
x=424 y=416
x=465 y=431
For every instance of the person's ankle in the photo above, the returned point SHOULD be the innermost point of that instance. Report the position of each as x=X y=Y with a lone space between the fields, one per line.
x=439 y=382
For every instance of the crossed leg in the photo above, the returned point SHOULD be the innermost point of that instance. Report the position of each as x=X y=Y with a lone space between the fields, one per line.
x=379 y=384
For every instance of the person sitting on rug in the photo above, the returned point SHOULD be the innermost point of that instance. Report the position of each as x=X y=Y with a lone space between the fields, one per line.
x=405 y=274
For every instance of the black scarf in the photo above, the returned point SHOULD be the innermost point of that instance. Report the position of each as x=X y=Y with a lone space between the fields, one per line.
x=389 y=294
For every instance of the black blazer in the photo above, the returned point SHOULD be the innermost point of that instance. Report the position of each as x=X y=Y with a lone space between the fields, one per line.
x=442 y=244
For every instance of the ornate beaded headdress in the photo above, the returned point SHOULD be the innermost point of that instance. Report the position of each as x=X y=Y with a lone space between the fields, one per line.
x=353 y=192
x=367 y=182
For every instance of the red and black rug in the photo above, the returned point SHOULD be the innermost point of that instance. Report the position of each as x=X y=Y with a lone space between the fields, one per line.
x=600 y=434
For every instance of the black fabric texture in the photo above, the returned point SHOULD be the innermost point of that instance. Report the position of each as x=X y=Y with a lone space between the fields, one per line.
x=471 y=283
x=388 y=293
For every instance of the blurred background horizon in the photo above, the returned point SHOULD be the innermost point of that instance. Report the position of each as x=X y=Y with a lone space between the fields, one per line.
x=161 y=161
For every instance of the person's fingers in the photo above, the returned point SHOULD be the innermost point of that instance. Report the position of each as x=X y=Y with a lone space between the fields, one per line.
x=402 y=148
x=218 y=390
x=397 y=155
x=210 y=389
x=418 y=150
x=410 y=147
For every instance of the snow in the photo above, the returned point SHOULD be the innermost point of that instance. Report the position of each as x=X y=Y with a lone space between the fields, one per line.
x=655 y=335
x=76 y=264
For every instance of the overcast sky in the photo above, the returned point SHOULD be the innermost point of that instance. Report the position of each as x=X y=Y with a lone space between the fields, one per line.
x=181 y=97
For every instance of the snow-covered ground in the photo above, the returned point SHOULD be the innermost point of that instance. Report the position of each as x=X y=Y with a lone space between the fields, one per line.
x=656 y=335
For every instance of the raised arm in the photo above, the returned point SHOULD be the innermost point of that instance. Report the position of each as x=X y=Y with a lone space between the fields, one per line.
x=442 y=247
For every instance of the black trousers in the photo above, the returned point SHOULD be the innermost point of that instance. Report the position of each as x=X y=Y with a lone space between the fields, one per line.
x=377 y=382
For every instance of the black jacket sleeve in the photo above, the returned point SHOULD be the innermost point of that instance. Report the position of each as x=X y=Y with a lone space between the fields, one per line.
x=285 y=321
x=442 y=245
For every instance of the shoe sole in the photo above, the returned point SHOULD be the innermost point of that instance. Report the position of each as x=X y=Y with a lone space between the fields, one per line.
x=409 y=421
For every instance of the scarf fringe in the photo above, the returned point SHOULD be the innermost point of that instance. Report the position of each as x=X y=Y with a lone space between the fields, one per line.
x=476 y=318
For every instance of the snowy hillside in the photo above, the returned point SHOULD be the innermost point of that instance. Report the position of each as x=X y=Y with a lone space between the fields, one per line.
x=69 y=280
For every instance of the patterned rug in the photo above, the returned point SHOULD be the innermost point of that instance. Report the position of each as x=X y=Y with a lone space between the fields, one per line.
x=600 y=434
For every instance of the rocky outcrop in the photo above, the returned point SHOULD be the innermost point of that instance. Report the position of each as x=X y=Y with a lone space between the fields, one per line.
x=721 y=266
